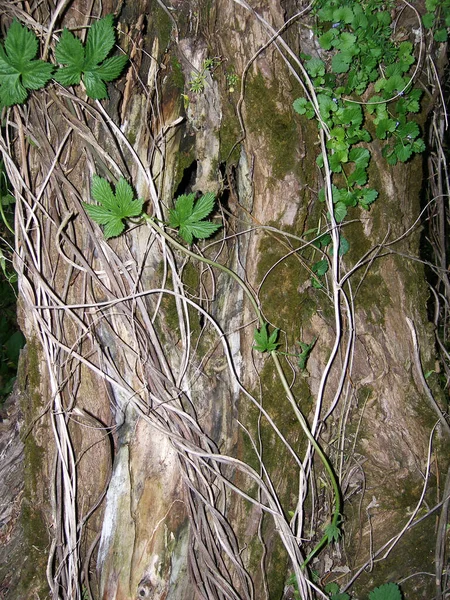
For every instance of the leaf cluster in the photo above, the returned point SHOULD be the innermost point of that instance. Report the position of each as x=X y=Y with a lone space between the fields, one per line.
x=188 y=216
x=21 y=71
x=437 y=18
x=360 y=46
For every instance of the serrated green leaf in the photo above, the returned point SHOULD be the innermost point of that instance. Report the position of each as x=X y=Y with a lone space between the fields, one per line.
x=188 y=217
x=387 y=591
x=18 y=71
x=326 y=40
x=315 y=67
x=69 y=50
x=343 y=14
x=264 y=343
x=333 y=532
x=428 y=20
x=303 y=107
x=304 y=354
x=418 y=145
x=403 y=152
x=360 y=156
x=89 y=63
x=358 y=176
x=113 y=208
x=366 y=196
x=100 y=40
x=340 y=63
x=408 y=130
x=203 y=207
x=440 y=35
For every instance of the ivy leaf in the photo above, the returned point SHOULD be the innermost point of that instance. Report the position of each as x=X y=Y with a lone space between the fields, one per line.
x=388 y=591
x=189 y=218
x=18 y=71
x=89 y=64
x=403 y=151
x=264 y=342
x=112 y=208
x=315 y=67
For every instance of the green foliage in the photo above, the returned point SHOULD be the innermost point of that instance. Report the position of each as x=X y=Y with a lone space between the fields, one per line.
x=388 y=591
x=188 y=217
x=359 y=41
x=264 y=342
x=89 y=63
x=113 y=208
x=305 y=352
x=437 y=18
x=197 y=82
x=19 y=71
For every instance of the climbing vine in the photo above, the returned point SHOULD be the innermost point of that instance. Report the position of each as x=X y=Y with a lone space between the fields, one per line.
x=361 y=89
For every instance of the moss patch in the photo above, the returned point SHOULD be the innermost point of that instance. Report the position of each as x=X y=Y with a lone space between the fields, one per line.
x=276 y=124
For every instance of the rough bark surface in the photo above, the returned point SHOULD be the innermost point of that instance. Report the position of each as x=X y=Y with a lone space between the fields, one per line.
x=135 y=411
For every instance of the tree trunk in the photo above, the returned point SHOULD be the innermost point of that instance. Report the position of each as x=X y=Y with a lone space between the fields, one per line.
x=163 y=456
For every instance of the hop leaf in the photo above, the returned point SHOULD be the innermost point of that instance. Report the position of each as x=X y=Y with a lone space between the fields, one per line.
x=18 y=71
x=264 y=342
x=189 y=218
x=112 y=208
x=89 y=63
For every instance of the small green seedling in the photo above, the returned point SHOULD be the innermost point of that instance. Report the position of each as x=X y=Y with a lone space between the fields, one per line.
x=89 y=63
x=264 y=342
x=19 y=71
x=113 y=208
x=188 y=217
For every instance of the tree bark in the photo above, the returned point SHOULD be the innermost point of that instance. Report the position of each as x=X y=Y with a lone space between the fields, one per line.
x=162 y=454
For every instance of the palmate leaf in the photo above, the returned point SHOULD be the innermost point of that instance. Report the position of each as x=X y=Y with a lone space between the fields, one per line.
x=89 y=64
x=188 y=217
x=264 y=342
x=112 y=208
x=19 y=72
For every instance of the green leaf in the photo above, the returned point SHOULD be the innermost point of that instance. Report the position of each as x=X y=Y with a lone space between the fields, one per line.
x=112 y=208
x=100 y=40
x=315 y=67
x=440 y=35
x=188 y=218
x=340 y=212
x=366 y=196
x=343 y=14
x=303 y=107
x=409 y=130
x=320 y=267
x=403 y=152
x=89 y=64
x=264 y=342
x=18 y=71
x=305 y=352
x=385 y=126
x=388 y=591
x=428 y=20
x=333 y=532
x=360 y=156
x=326 y=40
x=340 y=63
